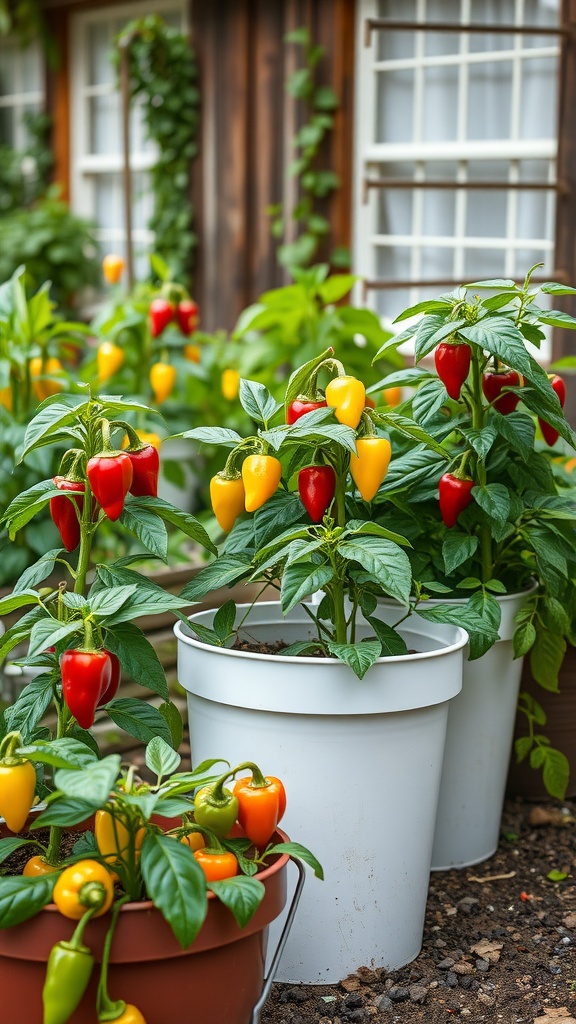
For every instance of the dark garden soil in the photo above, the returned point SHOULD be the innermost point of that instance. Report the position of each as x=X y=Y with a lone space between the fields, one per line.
x=499 y=942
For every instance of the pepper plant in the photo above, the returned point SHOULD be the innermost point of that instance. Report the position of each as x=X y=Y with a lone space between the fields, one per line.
x=287 y=498
x=171 y=840
x=500 y=515
x=79 y=629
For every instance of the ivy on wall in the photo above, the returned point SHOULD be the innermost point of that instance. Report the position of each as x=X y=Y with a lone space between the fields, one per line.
x=25 y=175
x=314 y=183
x=163 y=77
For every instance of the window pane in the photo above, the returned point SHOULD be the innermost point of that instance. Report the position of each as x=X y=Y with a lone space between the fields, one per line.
x=143 y=200
x=486 y=213
x=394 y=44
x=438 y=214
x=30 y=70
x=394 y=107
x=109 y=201
x=538 y=114
x=104 y=117
x=7 y=70
x=394 y=216
x=99 y=44
x=489 y=100
x=482 y=264
x=440 y=119
x=442 y=42
x=491 y=12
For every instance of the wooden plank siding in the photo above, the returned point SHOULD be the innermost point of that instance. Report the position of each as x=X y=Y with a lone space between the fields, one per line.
x=564 y=342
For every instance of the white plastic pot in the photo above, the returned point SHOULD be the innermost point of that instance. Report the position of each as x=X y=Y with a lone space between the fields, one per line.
x=361 y=761
x=478 y=747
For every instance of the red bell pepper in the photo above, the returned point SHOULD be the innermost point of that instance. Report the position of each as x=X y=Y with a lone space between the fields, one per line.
x=549 y=434
x=115 y=676
x=65 y=512
x=492 y=385
x=300 y=406
x=316 y=486
x=452 y=366
x=187 y=316
x=86 y=676
x=110 y=475
x=454 y=495
x=145 y=468
x=161 y=313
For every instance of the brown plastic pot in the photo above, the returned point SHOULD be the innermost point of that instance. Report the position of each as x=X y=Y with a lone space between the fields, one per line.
x=219 y=978
x=560 y=729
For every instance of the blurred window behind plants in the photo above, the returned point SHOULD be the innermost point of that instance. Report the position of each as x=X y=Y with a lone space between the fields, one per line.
x=454 y=107
x=96 y=135
x=36 y=226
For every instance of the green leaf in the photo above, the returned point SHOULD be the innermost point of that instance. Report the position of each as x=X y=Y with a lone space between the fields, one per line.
x=300 y=579
x=9 y=846
x=139 y=719
x=392 y=643
x=522 y=747
x=38 y=572
x=360 y=526
x=147 y=527
x=495 y=282
x=385 y=561
x=494 y=499
x=173 y=719
x=137 y=657
x=546 y=657
x=24 y=507
x=226 y=570
x=299 y=382
x=360 y=657
x=21 y=898
x=146 y=601
x=457 y=548
x=14 y=601
x=176 y=884
x=301 y=853
x=257 y=401
x=93 y=783
x=336 y=287
x=556 y=773
x=48 y=632
x=47 y=421
x=27 y=710
x=161 y=758
x=557 y=876
x=432 y=330
x=213 y=435
x=518 y=429
x=553 y=288
x=224 y=620
x=64 y=812
x=481 y=440
x=106 y=602
x=524 y=638
x=241 y=895
x=556 y=318
x=429 y=399
x=428 y=306
x=412 y=430
x=60 y=753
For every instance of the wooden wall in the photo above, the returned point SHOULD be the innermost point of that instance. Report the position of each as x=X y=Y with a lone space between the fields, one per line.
x=247 y=124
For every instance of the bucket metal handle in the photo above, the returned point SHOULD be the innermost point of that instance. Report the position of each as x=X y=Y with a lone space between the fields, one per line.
x=255 y=1019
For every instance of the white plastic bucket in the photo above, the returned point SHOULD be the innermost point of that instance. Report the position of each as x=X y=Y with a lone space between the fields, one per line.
x=361 y=761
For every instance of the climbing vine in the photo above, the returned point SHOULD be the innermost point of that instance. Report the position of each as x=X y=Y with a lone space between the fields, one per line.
x=314 y=183
x=164 y=76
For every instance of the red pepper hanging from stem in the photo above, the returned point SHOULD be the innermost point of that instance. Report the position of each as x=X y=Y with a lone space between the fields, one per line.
x=86 y=676
x=110 y=476
x=316 y=486
x=454 y=495
x=452 y=366
x=63 y=511
x=550 y=434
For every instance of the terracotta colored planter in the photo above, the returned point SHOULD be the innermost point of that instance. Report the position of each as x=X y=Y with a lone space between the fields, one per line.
x=219 y=978
x=560 y=729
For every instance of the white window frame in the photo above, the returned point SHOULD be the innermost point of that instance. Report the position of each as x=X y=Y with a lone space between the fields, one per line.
x=371 y=156
x=22 y=97
x=85 y=166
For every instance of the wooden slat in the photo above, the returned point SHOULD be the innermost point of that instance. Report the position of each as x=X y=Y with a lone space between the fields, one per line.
x=564 y=342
